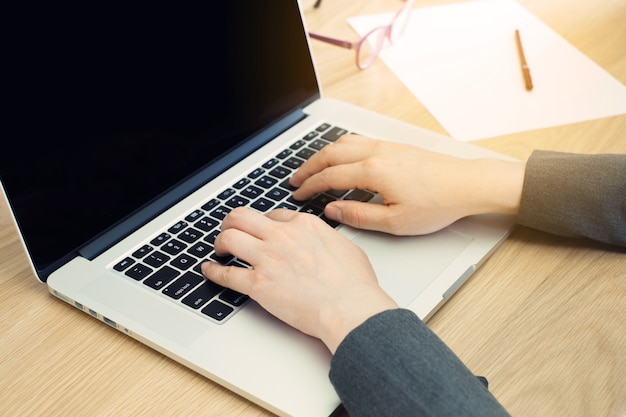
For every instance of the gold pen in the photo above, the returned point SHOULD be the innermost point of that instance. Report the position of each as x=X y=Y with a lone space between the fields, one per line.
x=522 y=58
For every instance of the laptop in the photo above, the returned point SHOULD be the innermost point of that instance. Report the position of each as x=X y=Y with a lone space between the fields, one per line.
x=130 y=132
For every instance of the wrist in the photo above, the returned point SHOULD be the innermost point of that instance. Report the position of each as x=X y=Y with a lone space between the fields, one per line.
x=499 y=186
x=339 y=322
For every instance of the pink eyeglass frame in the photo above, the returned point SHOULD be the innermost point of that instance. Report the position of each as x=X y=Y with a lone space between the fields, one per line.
x=357 y=44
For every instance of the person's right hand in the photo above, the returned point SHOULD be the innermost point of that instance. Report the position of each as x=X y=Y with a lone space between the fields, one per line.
x=303 y=272
x=422 y=191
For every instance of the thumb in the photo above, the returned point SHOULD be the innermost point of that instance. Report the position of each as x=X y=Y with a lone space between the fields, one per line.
x=359 y=214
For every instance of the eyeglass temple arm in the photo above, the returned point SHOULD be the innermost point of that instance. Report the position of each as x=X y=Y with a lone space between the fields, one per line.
x=337 y=42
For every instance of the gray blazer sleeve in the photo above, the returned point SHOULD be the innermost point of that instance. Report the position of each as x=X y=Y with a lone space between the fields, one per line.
x=576 y=195
x=393 y=365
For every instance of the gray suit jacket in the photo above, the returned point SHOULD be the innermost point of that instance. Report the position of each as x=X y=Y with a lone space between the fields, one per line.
x=393 y=365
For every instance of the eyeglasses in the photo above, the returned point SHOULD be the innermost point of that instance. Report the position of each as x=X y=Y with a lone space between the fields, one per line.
x=370 y=45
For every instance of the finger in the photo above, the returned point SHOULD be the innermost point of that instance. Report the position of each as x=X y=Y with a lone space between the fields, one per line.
x=248 y=221
x=233 y=277
x=348 y=149
x=361 y=215
x=282 y=215
x=340 y=177
x=306 y=221
x=238 y=243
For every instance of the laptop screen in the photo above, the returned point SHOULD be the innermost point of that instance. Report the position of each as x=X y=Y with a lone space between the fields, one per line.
x=108 y=106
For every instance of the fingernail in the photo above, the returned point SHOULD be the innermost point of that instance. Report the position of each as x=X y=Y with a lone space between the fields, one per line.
x=333 y=213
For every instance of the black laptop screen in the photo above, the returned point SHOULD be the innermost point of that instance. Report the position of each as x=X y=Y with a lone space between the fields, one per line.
x=107 y=106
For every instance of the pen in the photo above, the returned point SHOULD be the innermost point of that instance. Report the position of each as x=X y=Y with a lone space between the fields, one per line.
x=522 y=58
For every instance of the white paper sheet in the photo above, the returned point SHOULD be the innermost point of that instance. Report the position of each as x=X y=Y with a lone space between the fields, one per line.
x=460 y=60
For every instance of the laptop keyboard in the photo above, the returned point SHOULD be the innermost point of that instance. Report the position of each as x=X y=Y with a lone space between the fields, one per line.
x=169 y=262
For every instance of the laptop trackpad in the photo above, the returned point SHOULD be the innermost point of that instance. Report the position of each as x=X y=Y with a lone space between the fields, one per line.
x=406 y=265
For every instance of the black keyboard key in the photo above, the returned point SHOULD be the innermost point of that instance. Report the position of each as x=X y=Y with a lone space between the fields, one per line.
x=334 y=134
x=298 y=144
x=226 y=193
x=336 y=193
x=252 y=192
x=201 y=295
x=306 y=153
x=142 y=251
x=284 y=154
x=256 y=173
x=220 y=212
x=233 y=297
x=318 y=144
x=287 y=206
x=277 y=194
x=200 y=249
x=211 y=236
x=287 y=185
x=237 y=201
x=138 y=272
x=206 y=224
x=222 y=259
x=293 y=162
x=217 y=310
x=190 y=235
x=323 y=127
x=266 y=182
x=160 y=239
x=295 y=202
x=184 y=261
x=212 y=203
x=310 y=135
x=241 y=183
x=311 y=209
x=198 y=267
x=123 y=264
x=161 y=278
x=173 y=247
x=194 y=215
x=156 y=259
x=178 y=227
x=359 y=195
x=280 y=172
x=262 y=204
x=270 y=163
x=183 y=285
x=321 y=200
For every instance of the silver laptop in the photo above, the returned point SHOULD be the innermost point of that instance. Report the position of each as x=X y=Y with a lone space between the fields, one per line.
x=129 y=134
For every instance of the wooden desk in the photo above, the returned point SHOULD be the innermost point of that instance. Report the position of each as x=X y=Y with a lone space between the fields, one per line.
x=544 y=318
